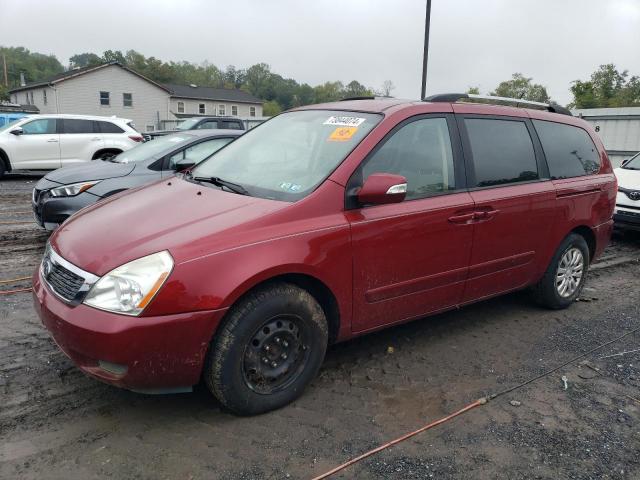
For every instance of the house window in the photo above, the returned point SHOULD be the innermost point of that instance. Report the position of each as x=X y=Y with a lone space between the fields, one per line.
x=252 y=111
x=31 y=95
x=234 y=110
x=202 y=109
x=104 y=99
x=127 y=99
x=150 y=128
x=180 y=107
x=222 y=110
x=44 y=96
x=26 y=98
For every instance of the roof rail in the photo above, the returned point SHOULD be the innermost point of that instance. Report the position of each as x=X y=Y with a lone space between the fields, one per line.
x=362 y=97
x=517 y=102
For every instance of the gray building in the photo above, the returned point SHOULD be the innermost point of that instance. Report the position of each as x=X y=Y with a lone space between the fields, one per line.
x=619 y=129
x=113 y=89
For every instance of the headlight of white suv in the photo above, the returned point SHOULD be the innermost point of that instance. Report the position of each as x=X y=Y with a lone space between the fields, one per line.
x=73 y=189
x=129 y=288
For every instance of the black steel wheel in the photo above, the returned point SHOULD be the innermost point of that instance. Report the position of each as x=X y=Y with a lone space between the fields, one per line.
x=269 y=347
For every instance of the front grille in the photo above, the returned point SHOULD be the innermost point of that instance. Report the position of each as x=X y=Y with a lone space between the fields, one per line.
x=64 y=282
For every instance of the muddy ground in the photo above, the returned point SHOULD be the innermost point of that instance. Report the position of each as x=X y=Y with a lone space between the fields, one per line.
x=55 y=423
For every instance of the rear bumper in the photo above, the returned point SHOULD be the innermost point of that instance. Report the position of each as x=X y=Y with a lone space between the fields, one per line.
x=148 y=354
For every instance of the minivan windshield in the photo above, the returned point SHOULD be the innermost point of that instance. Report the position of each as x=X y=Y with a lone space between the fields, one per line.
x=149 y=149
x=188 y=124
x=633 y=163
x=287 y=157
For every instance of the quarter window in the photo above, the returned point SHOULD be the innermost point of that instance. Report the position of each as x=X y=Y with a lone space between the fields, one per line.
x=421 y=152
x=502 y=151
x=202 y=108
x=40 y=127
x=127 y=100
x=180 y=107
x=104 y=99
x=108 y=127
x=222 y=110
x=230 y=125
x=569 y=150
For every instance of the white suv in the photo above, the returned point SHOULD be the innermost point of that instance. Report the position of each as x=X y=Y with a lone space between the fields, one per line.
x=627 y=212
x=47 y=142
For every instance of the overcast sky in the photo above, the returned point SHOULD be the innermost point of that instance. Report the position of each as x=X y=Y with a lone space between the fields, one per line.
x=473 y=42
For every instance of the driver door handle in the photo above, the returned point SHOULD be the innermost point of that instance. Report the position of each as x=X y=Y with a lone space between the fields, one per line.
x=462 y=219
x=52 y=140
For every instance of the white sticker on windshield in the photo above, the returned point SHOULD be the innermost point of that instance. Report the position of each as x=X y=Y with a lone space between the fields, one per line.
x=345 y=121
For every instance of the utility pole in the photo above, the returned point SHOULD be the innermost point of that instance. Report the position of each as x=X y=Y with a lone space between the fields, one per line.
x=425 y=57
x=6 y=79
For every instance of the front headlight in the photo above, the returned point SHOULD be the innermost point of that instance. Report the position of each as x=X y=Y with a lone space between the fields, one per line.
x=129 y=288
x=73 y=189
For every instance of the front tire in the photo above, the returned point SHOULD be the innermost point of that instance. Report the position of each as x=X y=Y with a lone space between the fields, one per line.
x=565 y=276
x=269 y=348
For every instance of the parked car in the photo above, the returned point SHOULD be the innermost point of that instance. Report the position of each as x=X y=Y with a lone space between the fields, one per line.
x=200 y=123
x=627 y=213
x=47 y=142
x=321 y=224
x=63 y=192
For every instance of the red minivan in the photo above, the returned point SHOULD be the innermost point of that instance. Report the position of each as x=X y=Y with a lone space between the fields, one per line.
x=326 y=222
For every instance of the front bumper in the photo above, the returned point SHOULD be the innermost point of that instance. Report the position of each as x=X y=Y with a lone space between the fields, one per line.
x=148 y=354
x=627 y=219
x=49 y=212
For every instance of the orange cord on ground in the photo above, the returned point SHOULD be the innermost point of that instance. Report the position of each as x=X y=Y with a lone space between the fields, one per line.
x=9 y=292
x=15 y=280
x=475 y=404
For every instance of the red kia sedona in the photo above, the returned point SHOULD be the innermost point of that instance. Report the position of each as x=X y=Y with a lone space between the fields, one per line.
x=326 y=222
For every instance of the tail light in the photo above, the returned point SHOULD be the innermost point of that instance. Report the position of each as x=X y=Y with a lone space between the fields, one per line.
x=136 y=138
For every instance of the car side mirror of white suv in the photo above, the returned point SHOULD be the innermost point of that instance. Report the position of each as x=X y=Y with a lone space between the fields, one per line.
x=17 y=131
x=624 y=162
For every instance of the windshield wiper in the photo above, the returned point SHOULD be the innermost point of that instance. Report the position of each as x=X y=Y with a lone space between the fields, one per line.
x=219 y=182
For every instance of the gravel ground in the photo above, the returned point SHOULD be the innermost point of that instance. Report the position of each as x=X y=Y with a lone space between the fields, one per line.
x=56 y=423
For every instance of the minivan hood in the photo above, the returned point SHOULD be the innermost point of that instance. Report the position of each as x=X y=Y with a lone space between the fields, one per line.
x=628 y=178
x=96 y=170
x=183 y=217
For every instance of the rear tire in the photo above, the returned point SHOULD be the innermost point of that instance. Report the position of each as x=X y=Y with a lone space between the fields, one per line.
x=269 y=348
x=3 y=169
x=565 y=276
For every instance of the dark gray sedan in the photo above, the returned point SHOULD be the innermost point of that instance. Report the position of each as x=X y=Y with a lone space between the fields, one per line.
x=63 y=192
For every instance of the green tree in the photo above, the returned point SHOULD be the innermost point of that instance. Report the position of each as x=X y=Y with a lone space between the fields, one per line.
x=329 y=92
x=36 y=67
x=85 y=60
x=473 y=91
x=271 y=108
x=521 y=87
x=607 y=87
x=356 y=89
x=4 y=93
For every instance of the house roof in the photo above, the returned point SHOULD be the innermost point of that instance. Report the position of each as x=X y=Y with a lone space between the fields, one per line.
x=81 y=71
x=210 y=93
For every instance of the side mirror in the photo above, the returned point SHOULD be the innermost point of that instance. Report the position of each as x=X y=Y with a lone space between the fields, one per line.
x=383 y=188
x=184 y=164
x=17 y=131
x=624 y=162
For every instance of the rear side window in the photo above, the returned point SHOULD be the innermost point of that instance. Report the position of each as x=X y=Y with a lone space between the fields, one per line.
x=421 y=152
x=108 y=127
x=231 y=125
x=569 y=150
x=502 y=151
x=208 y=125
x=72 y=125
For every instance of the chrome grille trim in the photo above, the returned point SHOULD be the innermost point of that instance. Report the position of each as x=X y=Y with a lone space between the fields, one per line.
x=57 y=287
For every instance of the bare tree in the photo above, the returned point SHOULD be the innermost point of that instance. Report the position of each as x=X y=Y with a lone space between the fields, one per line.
x=387 y=87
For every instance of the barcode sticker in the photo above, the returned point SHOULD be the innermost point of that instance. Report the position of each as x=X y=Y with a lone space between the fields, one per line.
x=345 y=121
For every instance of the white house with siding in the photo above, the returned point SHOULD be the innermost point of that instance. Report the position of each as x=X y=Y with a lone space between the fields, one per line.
x=114 y=89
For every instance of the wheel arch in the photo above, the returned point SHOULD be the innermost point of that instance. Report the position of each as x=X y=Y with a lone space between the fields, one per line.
x=4 y=158
x=102 y=151
x=309 y=282
x=589 y=236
